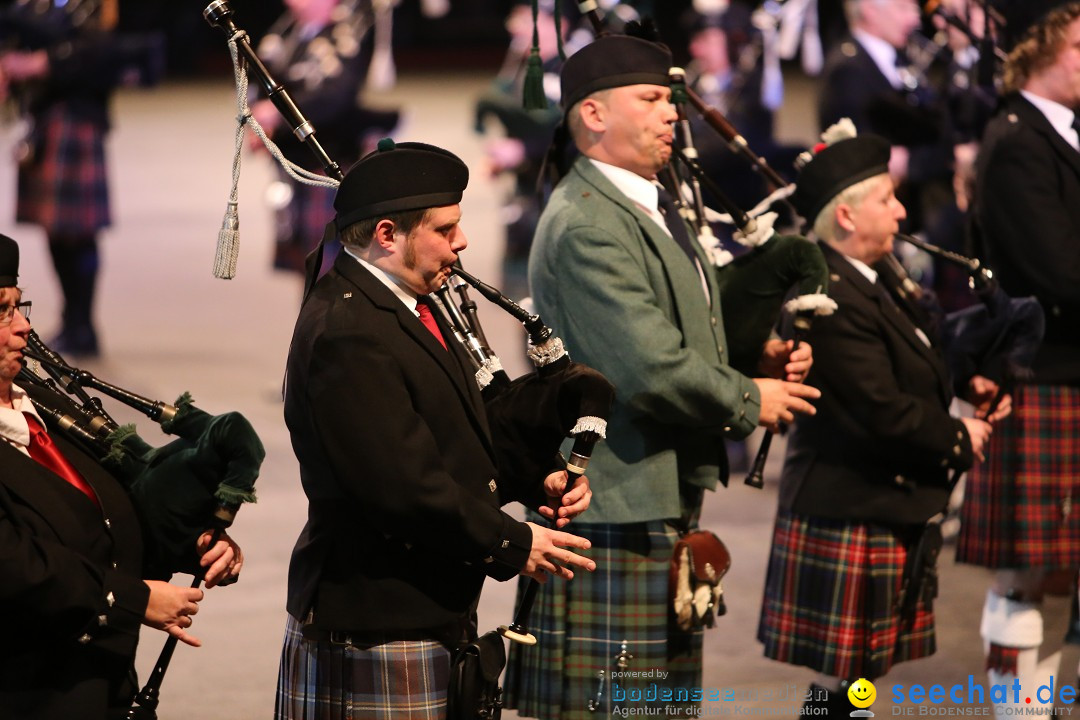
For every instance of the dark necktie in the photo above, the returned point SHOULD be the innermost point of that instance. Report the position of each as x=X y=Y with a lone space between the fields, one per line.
x=675 y=224
x=45 y=452
x=428 y=319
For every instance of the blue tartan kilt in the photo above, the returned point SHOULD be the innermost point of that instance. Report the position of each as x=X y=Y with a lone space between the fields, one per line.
x=580 y=626
x=321 y=680
x=831 y=599
x=1020 y=505
x=64 y=188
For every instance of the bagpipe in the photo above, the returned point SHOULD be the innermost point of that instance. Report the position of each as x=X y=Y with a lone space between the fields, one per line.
x=997 y=338
x=530 y=417
x=193 y=484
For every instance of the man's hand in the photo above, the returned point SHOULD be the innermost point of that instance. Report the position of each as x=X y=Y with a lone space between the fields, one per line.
x=564 y=508
x=780 y=400
x=549 y=550
x=981 y=392
x=222 y=561
x=779 y=360
x=979 y=432
x=170 y=609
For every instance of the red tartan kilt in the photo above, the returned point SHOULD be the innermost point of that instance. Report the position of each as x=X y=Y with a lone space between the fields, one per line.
x=831 y=599
x=1020 y=506
x=64 y=188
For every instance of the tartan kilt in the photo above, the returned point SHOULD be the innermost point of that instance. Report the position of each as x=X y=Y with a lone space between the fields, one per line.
x=580 y=626
x=831 y=597
x=1020 y=505
x=300 y=225
x=64 y=188
x=321 y=680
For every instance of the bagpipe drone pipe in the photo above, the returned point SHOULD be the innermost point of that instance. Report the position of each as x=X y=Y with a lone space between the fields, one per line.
x=191 y=485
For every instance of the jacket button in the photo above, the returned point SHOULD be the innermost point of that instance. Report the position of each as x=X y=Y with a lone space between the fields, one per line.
x=108 y=524
x=489 y=559
x=956 y=450
x=110 y=599
x=85 y=638
x=505 y=544
x=746 y=396
x=102 y=620
x=714 y=322
x=491 y=485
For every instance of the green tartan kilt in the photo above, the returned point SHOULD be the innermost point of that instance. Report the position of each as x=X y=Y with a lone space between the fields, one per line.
x=580 y=627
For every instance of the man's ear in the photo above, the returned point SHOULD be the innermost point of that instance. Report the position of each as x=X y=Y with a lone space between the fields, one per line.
x=384 y=233
x=844 y=217
x=593 y=115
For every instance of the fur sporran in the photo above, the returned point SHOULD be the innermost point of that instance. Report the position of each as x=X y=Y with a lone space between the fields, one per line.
x=698 y=564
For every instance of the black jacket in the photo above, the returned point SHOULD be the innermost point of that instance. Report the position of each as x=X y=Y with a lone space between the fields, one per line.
x=1027 y=212
x=71 y=597
x=882 y=443
x=397 y=464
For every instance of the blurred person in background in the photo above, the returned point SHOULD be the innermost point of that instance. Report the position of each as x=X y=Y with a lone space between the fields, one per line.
x=60 y=62
x=878 y=77
x=526 y=134
x=320 y=51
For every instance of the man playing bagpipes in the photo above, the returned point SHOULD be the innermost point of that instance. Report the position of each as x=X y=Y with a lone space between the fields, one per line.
x=851 y=574
x=635 y=297
x=398 y=460
x=1019 y=514
x=72 y=587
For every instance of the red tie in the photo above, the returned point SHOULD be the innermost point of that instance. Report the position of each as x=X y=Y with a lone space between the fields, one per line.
x=45 y=452
x=429 y=321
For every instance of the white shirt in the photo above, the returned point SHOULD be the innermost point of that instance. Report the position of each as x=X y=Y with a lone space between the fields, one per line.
x=14 y=429
x=643 y=193
x=402 y=293
x=882 y=53
x=1059 y=116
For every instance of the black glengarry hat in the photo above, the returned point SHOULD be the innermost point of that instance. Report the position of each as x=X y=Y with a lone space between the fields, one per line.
x=837 y=167
x=398 y=177
x=613 y=61
x=9 y=262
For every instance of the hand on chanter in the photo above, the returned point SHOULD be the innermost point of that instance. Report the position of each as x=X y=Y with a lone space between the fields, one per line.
x=562 y=508
x=549 y=553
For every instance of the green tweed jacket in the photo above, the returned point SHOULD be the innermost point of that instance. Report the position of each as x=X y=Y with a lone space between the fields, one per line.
x=624 y=298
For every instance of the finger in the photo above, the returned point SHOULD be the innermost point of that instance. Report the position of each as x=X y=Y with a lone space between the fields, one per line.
x=803 y=391
x=546 y=511
x=580 y=561
x=563 y=539
x=184 y=637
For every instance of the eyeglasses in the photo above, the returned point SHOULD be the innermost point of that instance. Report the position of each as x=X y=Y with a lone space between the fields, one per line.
x=7 y=312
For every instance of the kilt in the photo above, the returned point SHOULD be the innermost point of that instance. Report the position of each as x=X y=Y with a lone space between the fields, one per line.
x=1019 y=506
x=320 y=680
x=64 y=187
x=831 y=597
x=300 y=225
x=580 y=626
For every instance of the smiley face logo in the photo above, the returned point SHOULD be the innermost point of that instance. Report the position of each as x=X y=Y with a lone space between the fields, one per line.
x=862 y=693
